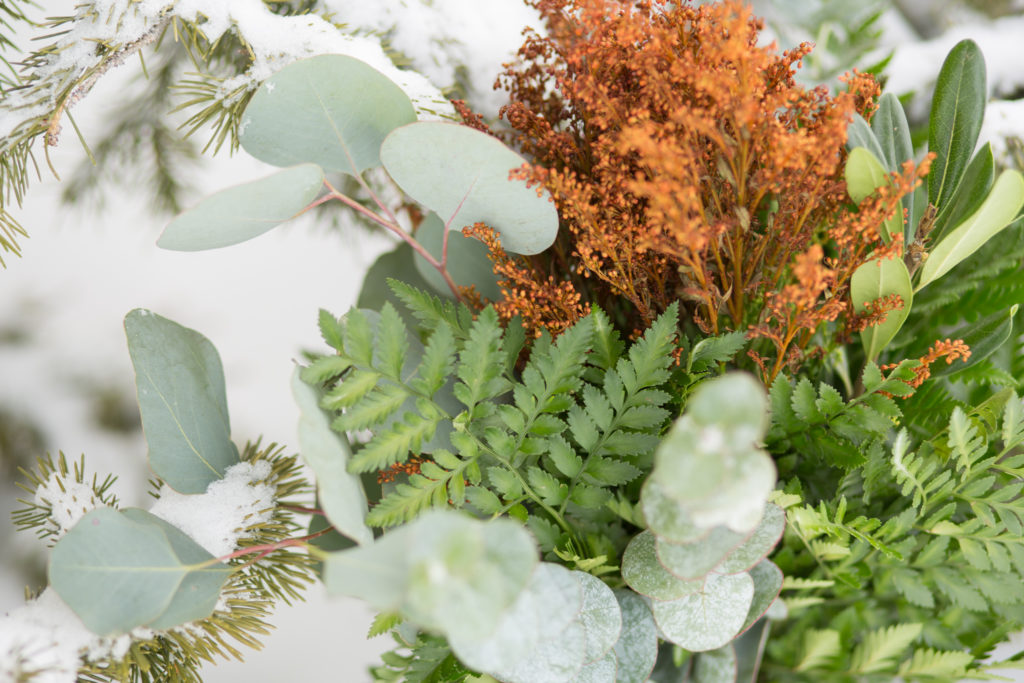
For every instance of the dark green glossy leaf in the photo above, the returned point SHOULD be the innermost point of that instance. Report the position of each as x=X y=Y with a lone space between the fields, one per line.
x=958 y=107
x=970 y=193
x=893 y=133
x=182 y=399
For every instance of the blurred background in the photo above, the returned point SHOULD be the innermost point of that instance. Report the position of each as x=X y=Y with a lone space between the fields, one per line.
x=66 y=382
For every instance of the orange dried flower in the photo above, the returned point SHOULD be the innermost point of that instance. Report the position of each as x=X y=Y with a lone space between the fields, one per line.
x=951 y=350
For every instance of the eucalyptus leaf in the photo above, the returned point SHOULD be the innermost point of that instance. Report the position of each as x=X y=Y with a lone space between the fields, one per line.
x=463 y=176
x=876 y=279
x=637 y=648
x=983 y=336
x=600 y=616
x=970 y=193
x=716 y=666
x=864 y=175
x=468 y=263
x=243 y=212
x=767 y=585
x=710 y=618
x=602 y=671
x=550 y=603
x=998 y=210
x=554 y=660
x=692 y=561
x=377 y=572
x=645 y=574
x=199 y=592
x=330 y=110
x=120 y=571
x=182 y=400
x=758 y=545
x=341 y=493
x=958 y=107
x=666 y=518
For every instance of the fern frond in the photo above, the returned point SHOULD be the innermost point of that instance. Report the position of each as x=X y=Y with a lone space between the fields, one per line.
x=879 y=650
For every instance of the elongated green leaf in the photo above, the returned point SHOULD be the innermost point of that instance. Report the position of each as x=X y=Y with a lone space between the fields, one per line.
x=997 y=211
x=859 y=134
x=119 y=571
x=199 y=592
x=330 y=110
x=864 y=175
x=970 y=193
x=182 y=399
x=463 y=176
x=958 y=107
x=890 y=127
x=467 y=260
x=874 y=280
x=984 y=337
x=340 y=493
x=710 y=618
x=637 y=648
x=243 y=212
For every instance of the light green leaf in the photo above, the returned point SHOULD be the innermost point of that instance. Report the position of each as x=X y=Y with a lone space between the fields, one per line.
x=864 y=175
x=243 y=212
x=958 y=107
x=637 y=648
x=820 y=648
x=930 y=663
x=984 y=336
x=601 y=671
x=758 y=545
x=666 y=518
x=716 y=666
x=180 y=385
x=331 y=110
x=645 y=574
x=463 y=176
x=880 y=649
x=970 y=192
x=549 y=604
x=893 y=133
x=468 y=263
x=998 y=210
x=340 y=493
x=377 y=572
x=710 y=618
x=693 y=560
x=600 y=616
x=767 y=586
x=876 y=279
x=119 y=571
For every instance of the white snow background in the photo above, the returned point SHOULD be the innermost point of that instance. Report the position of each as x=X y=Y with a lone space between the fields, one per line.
x=82 y=272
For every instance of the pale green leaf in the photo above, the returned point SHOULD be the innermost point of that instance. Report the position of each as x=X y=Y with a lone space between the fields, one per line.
x=645 y=574
x=693 y=560
x=716 y=666
x=637 y=647
x=760 y=543
x=709 y=618
x=879 y=650
x=864 y=175
x=600 y=616
x=820 y=648
x=876 y=279
x=468 y=263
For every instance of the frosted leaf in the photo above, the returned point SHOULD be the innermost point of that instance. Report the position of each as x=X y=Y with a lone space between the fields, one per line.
x=600 y=616
x=709 y=619
x=691 y=561
x=667 y=518
x=767 y=585
x=637 y=648
x=716 y=666
x=551 y=601
x=645 y=574
x=602 y=671
x=758 y=545
x=554 y=660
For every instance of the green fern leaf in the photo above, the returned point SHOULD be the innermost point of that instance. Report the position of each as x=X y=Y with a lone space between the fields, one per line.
x=481 y=363
x=351 y=390
x=804 y=403
x=564 y=457
x=430 y=310
x=928 y=663
x=605 y=472
x=651 y=356
x=819 y=650
x=394 y=445
x=392 y=343
x=911 y=586
x=483 y=500
x=437 y=364
x=331 y=330
x=358 y=337
x=373 y=409
x=607 y=345
x=550 y=490
x=590 y=497
x=879 y=650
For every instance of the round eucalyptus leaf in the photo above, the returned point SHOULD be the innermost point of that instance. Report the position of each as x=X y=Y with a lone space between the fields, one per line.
x=691 y=561
x=733 y=401
x=603 y=670
x=180 y=384
x=551 y=601
x=377 y=572
x=117 y=572
x=330 y=110
x=637 y=648
x=197 y=596
x=716 y=666
x=464 y=574
x=710 y=618
x=462 y=174
x=666 y=518
x=340 y=492
x=554 y=660
x=757 y=546
x=645 y=574
x=767 y=586
x=243 y=212
x=468 y=263
x=600 y=616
